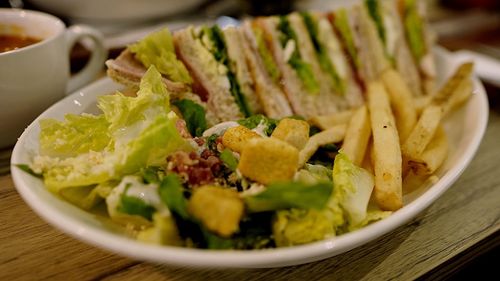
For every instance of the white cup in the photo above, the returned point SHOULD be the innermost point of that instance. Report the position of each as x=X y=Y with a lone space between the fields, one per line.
x=34 y=77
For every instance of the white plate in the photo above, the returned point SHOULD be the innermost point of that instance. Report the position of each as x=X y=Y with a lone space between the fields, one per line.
x=465 y=128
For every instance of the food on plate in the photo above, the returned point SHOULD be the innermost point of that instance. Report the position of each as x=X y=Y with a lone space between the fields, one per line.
x=390 y=30
x=420 y=40
x=386 y=159
x=283 y=131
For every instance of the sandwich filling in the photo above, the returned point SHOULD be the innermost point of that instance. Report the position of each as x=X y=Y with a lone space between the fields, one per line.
x=341 y=24
x=385 y=25
x=158 y=49
x=319 y=38
x=267 y=58
x=288 y=40
x=414 y=26
x=213 y=48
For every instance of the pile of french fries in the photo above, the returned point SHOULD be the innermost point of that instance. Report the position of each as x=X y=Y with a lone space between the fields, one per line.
x=397 y=137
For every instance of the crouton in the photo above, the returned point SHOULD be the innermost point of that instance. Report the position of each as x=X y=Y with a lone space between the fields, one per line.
x=267 y=160
x=235 y=138
x=293 y=131
x=219 y=209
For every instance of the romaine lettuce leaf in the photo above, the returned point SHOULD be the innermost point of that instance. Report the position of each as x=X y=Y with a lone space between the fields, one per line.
x=255 y=120
x=322 y=53
x=75 y=135
x=303 y=69
x=158 y=49
x=219 y=50
x=301 y=226
x=171 y=194
x=414 y=27
x=142 y=133
x=341 y=23
x=134 y=206
x=265 y=54
x=288 y=195
x=353 y=188
x=194 y=115
x=228 y=159
x=164 y=231
x=375 y=13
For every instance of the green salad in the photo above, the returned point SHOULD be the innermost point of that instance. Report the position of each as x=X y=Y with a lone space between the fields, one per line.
x=167 y=179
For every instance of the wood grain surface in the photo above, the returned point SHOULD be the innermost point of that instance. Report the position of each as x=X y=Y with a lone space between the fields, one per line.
x=467 y=213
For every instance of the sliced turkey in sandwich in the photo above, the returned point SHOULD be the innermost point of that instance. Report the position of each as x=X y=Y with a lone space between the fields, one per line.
x=216 y=61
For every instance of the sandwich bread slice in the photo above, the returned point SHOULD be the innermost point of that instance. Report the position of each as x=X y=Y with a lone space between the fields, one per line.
x=387 y=20
x=265 y=72
x=333 y=61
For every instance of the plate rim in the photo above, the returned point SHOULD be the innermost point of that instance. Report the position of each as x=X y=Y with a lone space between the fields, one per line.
x=275 y=257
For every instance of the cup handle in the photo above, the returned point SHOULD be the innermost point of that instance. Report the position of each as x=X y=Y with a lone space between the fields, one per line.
x=97 y=58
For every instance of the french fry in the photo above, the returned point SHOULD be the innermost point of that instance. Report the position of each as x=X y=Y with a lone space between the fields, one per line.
x=386 y=149
x=401 y=102
x=455 y=92
x=460 y=96
x=413 y=182
x=463 y=72
x=357 y=136
x=331 y=120
x=421 y=103
x=423 y=132
x=434 y=155
x=332 y=135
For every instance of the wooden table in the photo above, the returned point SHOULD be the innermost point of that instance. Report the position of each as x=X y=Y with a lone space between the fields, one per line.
x=464 y=218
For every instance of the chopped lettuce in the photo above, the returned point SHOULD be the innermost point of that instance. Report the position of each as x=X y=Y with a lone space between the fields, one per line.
x=75 y=135
x=301 y=226
x=288 y=195
x=151 y=174
x=158 y=49
x=372 y=215
x=345 y=210
x=134 y=206
x=194 y=115
x=219 y=51
x=414 y=27
x=375 y=13
x=354 y=186
x=259 y=120
x=312 y=174
x=141 y=133
x=265 y=54
x=84 y=197
x=164 y=231
x=132 y=202
x=303 y=69
x=322 y=53
x=341 y=23
x=228 y=159
x=171 y=194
